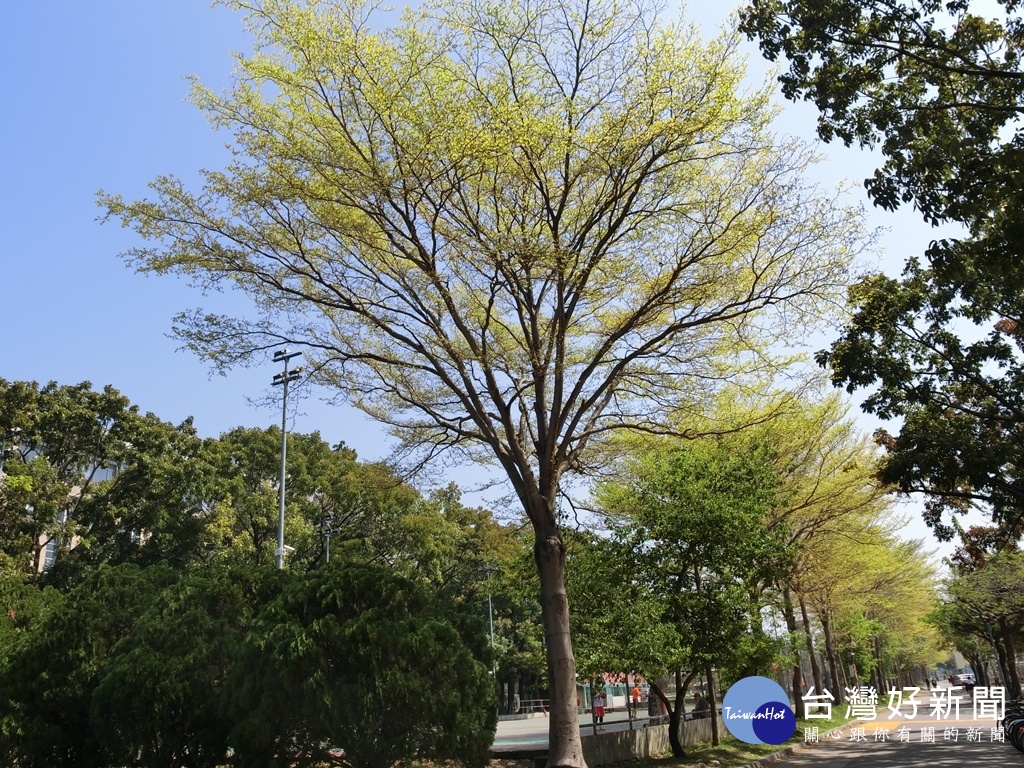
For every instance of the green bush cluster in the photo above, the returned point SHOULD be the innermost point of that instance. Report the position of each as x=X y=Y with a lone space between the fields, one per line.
x=349 y=665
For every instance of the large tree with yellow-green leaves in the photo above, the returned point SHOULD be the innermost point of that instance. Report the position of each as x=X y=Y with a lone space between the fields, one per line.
x=505 y=230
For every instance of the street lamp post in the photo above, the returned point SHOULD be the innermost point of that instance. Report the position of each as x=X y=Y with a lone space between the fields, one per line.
x=283 y=356
x=327 y=528
x=488 y=570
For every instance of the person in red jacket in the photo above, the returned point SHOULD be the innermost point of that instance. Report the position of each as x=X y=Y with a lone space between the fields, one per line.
x=598 y=704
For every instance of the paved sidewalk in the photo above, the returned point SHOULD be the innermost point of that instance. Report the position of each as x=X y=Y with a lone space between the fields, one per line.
x=533 y=732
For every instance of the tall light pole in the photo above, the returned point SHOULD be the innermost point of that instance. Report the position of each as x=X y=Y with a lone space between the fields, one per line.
x=327 y=528
x=488 y=570
x=283 y=356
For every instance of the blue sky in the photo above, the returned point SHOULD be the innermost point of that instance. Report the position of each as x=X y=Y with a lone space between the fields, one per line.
x=95 y=97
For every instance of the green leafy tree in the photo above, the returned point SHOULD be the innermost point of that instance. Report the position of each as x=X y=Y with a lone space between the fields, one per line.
x=506 y=578
x=359 y=659
x=328 y=490
x=990 y=602
x=441 y=541
x=963 y=633
x=961 y=438
x=87 y=473
x=829 y=490
x=896 y=596
x=351 y=665
x=937 y=88
x=23 y=607
x=503 y=231
x=695 y=527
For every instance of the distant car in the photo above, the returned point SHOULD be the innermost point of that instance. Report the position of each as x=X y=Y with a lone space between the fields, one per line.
x=956 y=680
x=967 y=678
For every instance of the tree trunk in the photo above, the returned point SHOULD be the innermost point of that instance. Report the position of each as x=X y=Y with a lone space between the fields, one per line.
x=830 y=652
x=712 y=705
x=815 y=667
x=798 y=675
x=1013 y=681
x=879 y=672
x=997 y=645
x=680 y=705
x=564 y=747
x=674 y=714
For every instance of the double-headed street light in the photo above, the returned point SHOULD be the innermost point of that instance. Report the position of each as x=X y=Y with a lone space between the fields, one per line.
x=283 y=356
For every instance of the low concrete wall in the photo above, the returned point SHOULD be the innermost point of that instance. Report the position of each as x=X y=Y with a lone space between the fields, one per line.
x=604 y=748
x=523 y=716
x=698 y=731
x=650 y=741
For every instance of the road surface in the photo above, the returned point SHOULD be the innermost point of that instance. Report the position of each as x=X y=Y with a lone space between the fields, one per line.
x=912 y=754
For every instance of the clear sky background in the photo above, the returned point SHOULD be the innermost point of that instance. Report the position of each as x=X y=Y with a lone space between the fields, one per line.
x=94 y=95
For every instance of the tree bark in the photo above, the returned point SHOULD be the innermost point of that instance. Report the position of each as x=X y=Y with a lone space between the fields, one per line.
x=979 y=668
x=564 y=747
x=997 y=645
x=878 y=674
x=830 y=652
x=674 y=713
x=1013 y=681
x=798 y=675
x=815 y=667
x=681 y=687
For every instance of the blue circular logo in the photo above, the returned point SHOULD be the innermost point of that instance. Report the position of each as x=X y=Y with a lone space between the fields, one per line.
x=756 y=710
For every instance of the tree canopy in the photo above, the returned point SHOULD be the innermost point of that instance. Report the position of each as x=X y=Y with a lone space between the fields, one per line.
x=85 y=468
x=937 y=88
x=363 y=659
x=986 y=605
x=688 y=565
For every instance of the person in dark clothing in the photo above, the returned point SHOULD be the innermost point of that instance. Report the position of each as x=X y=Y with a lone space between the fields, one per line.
x=701 y=708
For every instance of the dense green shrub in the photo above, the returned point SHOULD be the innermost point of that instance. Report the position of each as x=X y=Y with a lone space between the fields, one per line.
x=349 y=665
x=358 y=659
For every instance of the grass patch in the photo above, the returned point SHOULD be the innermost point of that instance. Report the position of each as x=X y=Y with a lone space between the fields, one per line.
x=732 y=752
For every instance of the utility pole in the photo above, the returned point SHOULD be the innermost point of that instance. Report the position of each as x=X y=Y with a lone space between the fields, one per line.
x=283 y=356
